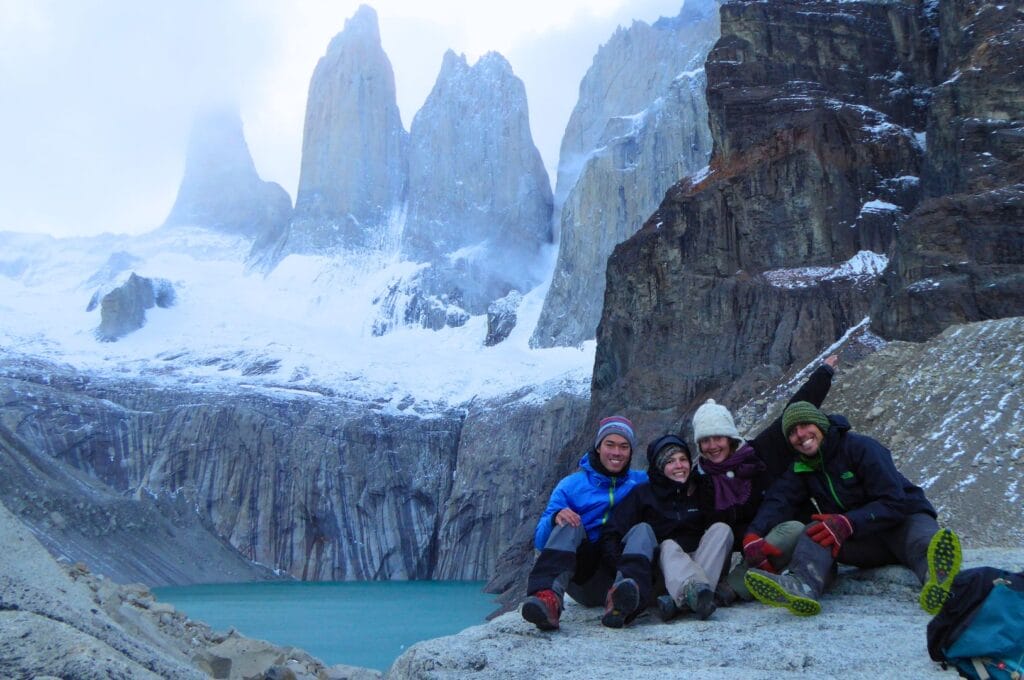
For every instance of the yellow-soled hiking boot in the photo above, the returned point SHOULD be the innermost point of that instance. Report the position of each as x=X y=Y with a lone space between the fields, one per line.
x=782 y=590
x=944 y=557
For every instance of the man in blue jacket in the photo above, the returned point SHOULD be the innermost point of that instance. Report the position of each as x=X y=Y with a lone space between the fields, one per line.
x=567 y=533
x=868 y=515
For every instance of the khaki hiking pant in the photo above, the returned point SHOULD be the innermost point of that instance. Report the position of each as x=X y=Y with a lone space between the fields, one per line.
x=704 y=565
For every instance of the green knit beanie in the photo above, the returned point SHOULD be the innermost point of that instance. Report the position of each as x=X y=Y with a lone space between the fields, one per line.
x=803 y=412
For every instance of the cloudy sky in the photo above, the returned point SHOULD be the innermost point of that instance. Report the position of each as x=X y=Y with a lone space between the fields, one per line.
x=98 y=95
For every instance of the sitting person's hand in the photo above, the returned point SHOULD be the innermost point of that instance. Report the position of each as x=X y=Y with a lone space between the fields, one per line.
x=830 y=531
x=756 y=551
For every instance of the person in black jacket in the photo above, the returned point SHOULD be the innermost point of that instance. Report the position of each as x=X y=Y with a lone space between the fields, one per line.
x=691 y=554
x=868 y=515
x=733 y=476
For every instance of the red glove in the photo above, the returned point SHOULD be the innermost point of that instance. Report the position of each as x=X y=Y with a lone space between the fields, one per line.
x=756 y=552
x=830 y=531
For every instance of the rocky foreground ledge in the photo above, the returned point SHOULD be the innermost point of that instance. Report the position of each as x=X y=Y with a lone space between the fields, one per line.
x=870 y=627
x=63 y=621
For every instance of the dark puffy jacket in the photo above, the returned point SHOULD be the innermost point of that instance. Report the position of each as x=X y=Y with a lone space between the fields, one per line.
x=858 y=479
x=738 y=516
x=671 y=508
x=773 y=449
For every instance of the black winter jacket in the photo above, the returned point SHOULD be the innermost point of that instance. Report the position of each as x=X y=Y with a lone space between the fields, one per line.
x=669 y=507
x=858 y=479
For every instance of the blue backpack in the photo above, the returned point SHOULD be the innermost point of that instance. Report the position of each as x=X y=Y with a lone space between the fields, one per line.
x=980 y=629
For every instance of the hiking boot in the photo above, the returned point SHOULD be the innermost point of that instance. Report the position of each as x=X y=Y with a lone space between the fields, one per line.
x=725 y=596
x=782 y=590
x=667 y=609
x=622 y=604
x=542 y=609
x=700 y=599
x=944 y=557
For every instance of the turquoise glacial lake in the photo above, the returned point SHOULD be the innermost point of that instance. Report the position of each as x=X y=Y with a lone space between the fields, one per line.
x=357 y=623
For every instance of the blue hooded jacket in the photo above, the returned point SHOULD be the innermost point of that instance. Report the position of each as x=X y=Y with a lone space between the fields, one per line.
x=589 y=494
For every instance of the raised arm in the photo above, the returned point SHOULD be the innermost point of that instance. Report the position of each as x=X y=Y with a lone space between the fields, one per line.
x=770 y=443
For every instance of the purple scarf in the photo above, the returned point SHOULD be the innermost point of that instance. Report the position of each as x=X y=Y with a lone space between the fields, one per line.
x=733 y=477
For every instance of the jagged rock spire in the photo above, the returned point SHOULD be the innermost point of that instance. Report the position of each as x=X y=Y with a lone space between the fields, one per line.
x=354 y=146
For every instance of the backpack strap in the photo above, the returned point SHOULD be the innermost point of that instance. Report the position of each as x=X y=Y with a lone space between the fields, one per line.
x=979 y=668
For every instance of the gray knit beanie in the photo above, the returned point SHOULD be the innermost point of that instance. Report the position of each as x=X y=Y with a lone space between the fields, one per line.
x=714 y=420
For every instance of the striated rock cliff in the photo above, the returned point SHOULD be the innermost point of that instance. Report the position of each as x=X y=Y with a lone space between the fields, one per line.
x=221 y=189
x=479 y=198
x=321 y=488
x=639 y=125
x=960 y=254
x=504 y=458
x=354 y=147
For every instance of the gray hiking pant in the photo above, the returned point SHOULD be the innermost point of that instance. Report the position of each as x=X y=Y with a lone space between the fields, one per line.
x=905 y=543
x=572 y=564
x=784 y=537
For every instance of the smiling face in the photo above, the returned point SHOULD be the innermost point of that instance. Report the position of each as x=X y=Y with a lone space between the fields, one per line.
x=677 y=467
x=716 y=448
x=614 y=453
x=806 y=438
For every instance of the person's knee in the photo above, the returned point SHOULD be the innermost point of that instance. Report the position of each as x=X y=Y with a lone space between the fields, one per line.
x=640 y=539
x=721 y=532
x=785 y=535
x=565 y=537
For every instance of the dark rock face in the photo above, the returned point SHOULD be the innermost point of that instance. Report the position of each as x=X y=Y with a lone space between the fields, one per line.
x=221 y=189
x=501 y=318
x=354 y=148
x=960 y=255
x=123 y=309
x=814 y=145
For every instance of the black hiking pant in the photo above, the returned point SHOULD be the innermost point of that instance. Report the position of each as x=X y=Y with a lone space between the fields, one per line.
x=906 y=544
x=570 y=563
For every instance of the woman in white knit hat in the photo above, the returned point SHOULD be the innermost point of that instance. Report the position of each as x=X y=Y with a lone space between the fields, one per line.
x=733 y=476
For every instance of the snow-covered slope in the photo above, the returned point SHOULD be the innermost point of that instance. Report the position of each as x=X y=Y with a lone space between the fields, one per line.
x=306 y=326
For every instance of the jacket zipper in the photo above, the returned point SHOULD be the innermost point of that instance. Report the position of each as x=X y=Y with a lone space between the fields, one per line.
x=611 y=502
x=832 y=489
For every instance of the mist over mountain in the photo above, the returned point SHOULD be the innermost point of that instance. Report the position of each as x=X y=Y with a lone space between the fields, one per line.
x=221 y=189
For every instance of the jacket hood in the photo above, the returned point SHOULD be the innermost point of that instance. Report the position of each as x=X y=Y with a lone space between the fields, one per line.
x=654 y=472
x=838 y=426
